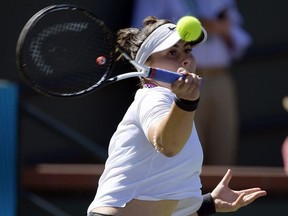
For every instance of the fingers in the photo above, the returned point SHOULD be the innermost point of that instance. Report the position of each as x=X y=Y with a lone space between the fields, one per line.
x=190 y=82
x=249 y=190
x=231 y=200
x=226 y=178
x=251 y=197
x=187 y=87
x=189 y=77
x=247 y=197
x=239 y=202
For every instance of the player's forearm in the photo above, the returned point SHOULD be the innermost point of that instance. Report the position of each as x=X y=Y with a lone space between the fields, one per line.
x=172 y=132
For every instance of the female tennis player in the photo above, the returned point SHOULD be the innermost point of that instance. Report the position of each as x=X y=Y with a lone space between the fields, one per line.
x=155 y=156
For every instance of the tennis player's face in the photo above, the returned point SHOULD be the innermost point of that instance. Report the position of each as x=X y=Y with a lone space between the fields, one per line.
x=179 y=55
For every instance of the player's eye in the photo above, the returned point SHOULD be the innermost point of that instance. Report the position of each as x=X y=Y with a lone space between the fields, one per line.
x=172 y=52
x=188 y=50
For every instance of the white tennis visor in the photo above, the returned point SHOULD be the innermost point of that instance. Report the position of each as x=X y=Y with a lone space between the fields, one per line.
x=162 y=38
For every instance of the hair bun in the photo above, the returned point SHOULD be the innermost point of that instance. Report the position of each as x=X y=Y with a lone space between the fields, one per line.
x=150 y=20
x=126 y=36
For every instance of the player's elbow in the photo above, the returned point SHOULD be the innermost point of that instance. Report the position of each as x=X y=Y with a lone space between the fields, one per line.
x=171 y=149
x=169 y=153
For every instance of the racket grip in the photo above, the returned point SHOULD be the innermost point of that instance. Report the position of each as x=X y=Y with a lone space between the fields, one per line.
x=164 y=75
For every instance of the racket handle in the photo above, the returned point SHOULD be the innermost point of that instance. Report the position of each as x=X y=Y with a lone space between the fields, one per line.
x=164 y=75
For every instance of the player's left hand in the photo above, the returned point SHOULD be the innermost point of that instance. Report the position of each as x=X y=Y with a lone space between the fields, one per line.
x=228 y=200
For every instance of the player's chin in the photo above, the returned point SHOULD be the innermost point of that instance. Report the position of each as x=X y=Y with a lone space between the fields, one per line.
x=164 y=84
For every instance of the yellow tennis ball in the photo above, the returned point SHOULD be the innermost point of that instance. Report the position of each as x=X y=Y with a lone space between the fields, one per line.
x=189 y=28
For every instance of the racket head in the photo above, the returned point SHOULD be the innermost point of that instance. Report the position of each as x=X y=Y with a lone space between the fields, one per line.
x=58 y=51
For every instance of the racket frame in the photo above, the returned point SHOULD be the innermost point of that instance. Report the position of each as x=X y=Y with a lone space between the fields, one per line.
x=142 y=70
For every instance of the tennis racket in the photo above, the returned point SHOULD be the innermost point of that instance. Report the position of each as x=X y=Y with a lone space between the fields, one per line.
x=64 y=50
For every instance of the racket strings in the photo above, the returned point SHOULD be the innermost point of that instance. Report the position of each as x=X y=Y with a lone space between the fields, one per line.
x=60 y=57
x=36 y=42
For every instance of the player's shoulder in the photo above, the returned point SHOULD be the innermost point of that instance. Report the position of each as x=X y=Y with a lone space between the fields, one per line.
x=153 y=92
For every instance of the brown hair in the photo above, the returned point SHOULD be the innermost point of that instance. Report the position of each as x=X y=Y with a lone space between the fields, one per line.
x=131 y=38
